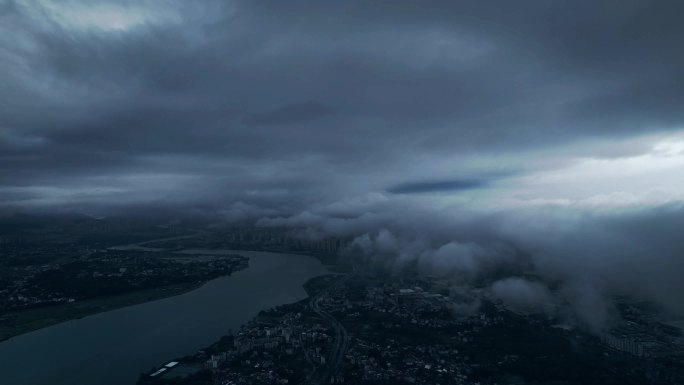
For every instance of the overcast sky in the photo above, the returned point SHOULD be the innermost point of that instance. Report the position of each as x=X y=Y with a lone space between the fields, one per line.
x=529 y=121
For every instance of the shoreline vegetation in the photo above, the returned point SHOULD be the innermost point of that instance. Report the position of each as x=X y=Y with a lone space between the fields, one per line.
x=14 y=324
x=17 y=323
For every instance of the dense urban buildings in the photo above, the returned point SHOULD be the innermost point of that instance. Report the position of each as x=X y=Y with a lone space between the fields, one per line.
x=369 y=330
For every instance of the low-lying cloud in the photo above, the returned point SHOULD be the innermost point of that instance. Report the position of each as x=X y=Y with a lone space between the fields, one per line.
x=543 y=259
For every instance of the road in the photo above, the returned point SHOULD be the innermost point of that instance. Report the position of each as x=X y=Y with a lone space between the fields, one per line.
x=323 y=373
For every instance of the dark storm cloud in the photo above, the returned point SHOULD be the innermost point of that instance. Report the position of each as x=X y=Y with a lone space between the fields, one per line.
x=438 y=186
x=340 y=98
x=353 y=83
x=437 y=77
x=292 y=114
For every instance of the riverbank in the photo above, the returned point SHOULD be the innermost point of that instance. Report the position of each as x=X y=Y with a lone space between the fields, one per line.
x=17 y=323
x=13 y=324
x=114 y=347
x=194 y=368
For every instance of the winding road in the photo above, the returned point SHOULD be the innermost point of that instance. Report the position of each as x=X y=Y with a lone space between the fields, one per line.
x=323 y=373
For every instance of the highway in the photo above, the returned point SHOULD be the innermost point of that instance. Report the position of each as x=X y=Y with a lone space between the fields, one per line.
x=323 y=373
